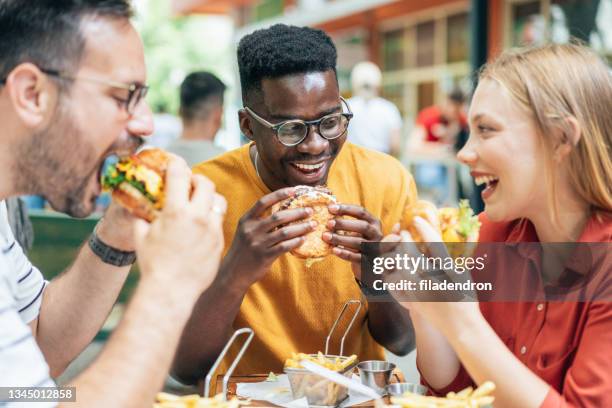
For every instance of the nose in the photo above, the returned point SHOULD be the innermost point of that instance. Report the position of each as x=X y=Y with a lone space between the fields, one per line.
x=141 y=122
x=467 y=155
x=314 y=144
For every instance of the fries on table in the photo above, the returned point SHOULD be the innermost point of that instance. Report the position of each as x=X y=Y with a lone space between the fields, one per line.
x=467 y=398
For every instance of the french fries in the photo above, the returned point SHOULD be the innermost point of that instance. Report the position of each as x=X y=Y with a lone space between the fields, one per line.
x=317 y=390
x=165 y=400
x=467 y=398
x=333 y=363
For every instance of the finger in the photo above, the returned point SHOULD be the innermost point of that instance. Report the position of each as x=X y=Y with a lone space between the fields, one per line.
x=289 y=232
x=269 y=200
x=219 y=206
x=392 y=238
x=178 y=184
x=203 y=194
x=431 y=238
x=141 y=229
x=284 y=217
x=424 y=228
x=347 y=255
x=343 y=240
x=405 y=236
x=367 y=230
x=285 y=246
x=352 y=210
x=396 y=229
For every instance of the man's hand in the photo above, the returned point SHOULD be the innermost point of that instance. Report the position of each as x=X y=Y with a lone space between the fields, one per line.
x=116 y=228
x=184 y=244
x=260 y=239
x=346 y=235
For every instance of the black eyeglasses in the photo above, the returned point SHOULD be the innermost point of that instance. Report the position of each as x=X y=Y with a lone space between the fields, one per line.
x=136 y=92
x=293 y=132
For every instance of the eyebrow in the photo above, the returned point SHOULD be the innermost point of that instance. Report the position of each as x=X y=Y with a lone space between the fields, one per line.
x=320 y=115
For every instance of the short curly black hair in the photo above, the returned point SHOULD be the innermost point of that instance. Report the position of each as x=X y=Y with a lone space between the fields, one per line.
x=283 y=50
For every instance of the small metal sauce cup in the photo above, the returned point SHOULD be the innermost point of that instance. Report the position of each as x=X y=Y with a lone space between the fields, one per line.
x=398 y=389
x=376 y=374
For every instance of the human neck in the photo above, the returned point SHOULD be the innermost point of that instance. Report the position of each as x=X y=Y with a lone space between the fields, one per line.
x=199 y=131
x=261 y=170
x=572 y=217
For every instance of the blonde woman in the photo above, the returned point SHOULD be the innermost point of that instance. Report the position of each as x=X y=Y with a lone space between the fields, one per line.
x=541 y=134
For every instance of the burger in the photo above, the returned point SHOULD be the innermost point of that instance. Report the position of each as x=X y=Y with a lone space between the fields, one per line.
x=318 y=198
x=458 y=227
x=137 y=182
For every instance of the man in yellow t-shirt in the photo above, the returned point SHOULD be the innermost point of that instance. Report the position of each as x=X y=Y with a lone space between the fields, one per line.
x=297 y=122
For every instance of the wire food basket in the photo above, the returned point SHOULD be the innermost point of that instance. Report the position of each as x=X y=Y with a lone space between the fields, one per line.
x=226 y=377
x=319 y=391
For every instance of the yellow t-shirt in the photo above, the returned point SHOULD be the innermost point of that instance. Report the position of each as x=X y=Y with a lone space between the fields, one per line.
x=293 y=307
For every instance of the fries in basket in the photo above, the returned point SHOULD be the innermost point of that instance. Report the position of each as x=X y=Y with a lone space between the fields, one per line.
x=334 y=363
x=467 y=398
x=165 y=400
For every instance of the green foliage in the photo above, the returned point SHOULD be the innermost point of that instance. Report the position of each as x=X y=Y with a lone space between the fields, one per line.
x=176 y=46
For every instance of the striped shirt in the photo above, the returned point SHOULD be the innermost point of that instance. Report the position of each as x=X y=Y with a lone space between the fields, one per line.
x=22 y=364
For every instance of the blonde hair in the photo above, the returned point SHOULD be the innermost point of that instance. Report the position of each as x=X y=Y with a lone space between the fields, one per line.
x=556 y=82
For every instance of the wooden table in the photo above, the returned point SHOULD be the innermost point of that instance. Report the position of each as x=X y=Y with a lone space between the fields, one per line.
x=234 y=380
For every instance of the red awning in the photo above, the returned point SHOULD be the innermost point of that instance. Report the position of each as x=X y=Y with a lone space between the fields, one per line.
x=183 y=7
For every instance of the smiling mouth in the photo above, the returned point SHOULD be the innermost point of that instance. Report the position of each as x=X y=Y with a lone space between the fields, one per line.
x=490 y=183
x=308 y=168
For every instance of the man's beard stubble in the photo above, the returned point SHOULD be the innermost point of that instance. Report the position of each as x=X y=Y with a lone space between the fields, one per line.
x=55 y=163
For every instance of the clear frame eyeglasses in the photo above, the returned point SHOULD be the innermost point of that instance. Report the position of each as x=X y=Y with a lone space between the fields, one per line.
x=293 y=132
x=136 y=92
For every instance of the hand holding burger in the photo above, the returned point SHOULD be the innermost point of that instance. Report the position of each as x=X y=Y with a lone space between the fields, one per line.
x=457 y=227
x=318 y=199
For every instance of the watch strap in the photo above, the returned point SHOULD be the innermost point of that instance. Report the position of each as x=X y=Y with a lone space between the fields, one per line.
x=110 y=255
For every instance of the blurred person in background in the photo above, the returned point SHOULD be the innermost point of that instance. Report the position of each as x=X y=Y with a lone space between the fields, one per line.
x=376 y=123
x=201 y=112
x=437 y=131
x=440 y=125
x=166 y=127
x=72 y=77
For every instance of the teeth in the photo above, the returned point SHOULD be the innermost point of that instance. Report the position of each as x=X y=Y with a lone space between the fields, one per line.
x=485 y=180
x=308 y=166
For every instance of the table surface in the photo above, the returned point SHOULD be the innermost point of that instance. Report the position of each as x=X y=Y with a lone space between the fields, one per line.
x=234 y=380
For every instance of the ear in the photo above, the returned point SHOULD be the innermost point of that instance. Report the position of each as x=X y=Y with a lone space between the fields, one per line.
x=30 y=93
x=569 y=138
x=245 y=124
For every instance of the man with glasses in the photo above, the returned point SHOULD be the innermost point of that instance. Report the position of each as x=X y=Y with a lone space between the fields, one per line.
x=297 y=122
x=72 y=80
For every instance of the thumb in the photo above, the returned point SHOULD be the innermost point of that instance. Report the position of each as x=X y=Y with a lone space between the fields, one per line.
x=396 y=229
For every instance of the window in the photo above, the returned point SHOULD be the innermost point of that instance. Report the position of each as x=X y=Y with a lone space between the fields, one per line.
x=393 y=50
x=426 y=92
x=457 y=38
x=425 y=44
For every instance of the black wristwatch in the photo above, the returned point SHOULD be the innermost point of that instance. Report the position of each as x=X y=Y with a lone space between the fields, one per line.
x=110 y=255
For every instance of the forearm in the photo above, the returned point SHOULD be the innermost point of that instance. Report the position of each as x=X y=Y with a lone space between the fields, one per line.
x=214 y=312
x=437 y=361
x=135 y=361
x=75 y=306
x=391 y=326
x=486 y=358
